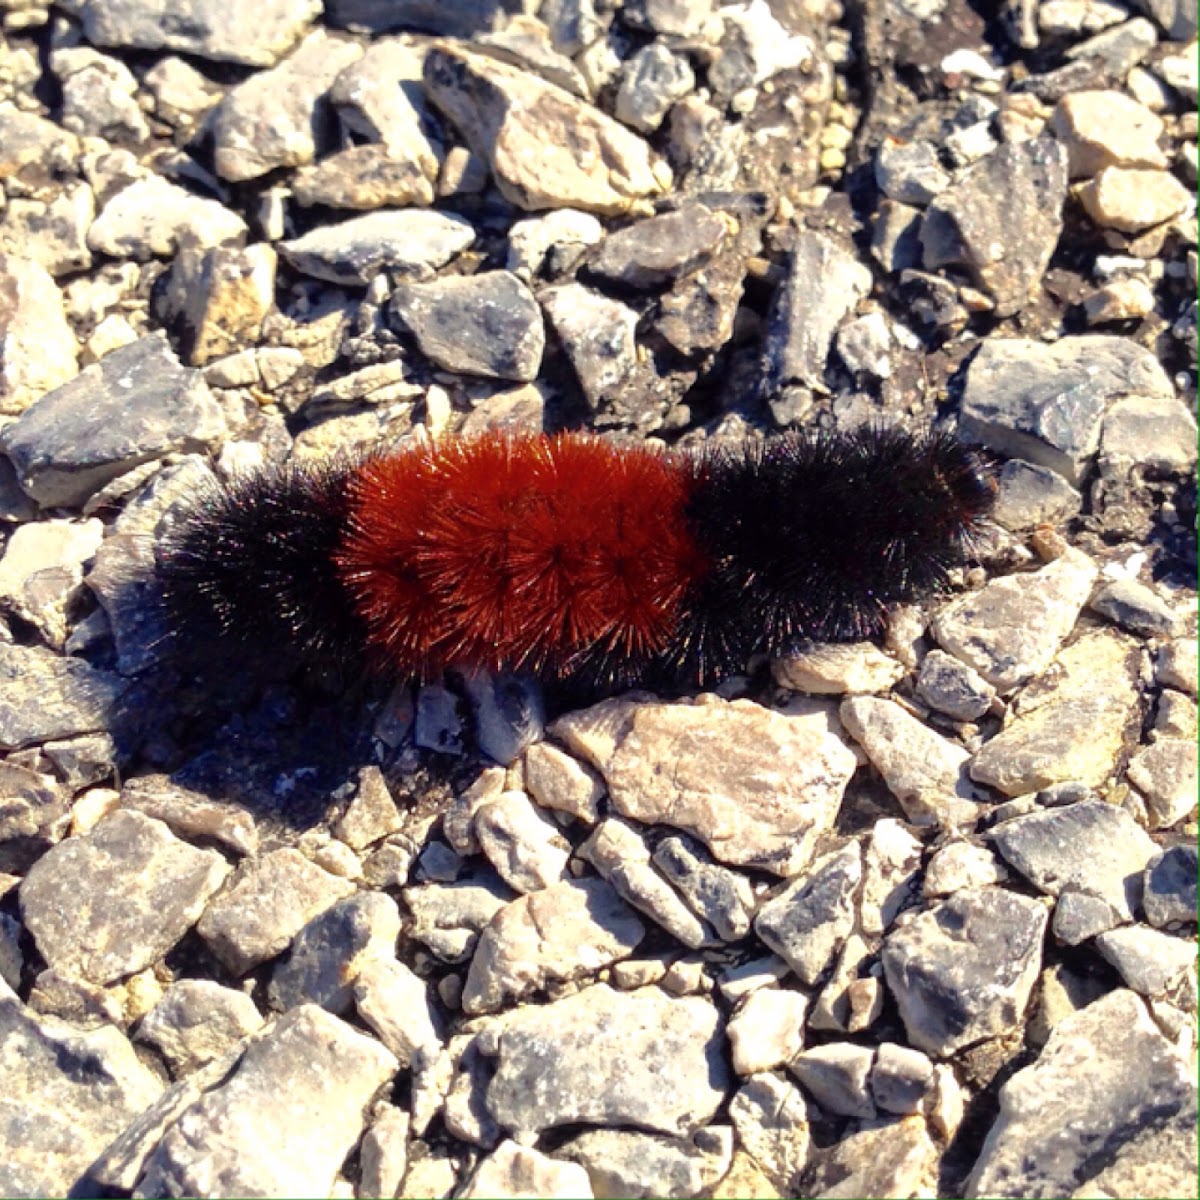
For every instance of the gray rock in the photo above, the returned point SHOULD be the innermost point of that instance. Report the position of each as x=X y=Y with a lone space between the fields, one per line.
x=1102 y=61
x=355 y=251
x=824 y=282
x=37 y=346
x=328 y=953
x=1090 y=847
x=509 y=714
x=1149 y=960
x=896 y=237
x=891 y=864
x=154 y=218
x=1011 y=629
x=1046 y=403
x=838 y=1076
x=865 y=344
x=953 y=688
x=449 y=917
x=384 y=1152
x=437 y=723
x=772 y=1122
x=754 y=47
x=267 y=902
x=653 y=79
x=598 y=335
x=894 y=1159
x=12 y=961
x=654 y=252
x=363 y=177
x=207 y=28
x=53 y=231
x=610 y=1058
x=900 y=1078
x=524 y=845
x=239 y=1140
x=399 y=1006
x=1081 y=1094
x=98 y=95
x=1170 y=886
x=1079 y=916
x=459 y=18
x=1011 y=201
x=32 y=805
x=45 y=696
x=114 y=901
x=964 y=970
x=1030 y=495
x=67 y=1095
x=549 y=241
x=525 y=42
x=808 y=921
x=1176 y=18
x=196 y=1022
x=623 y=1162
x=191 y=814
x=273 y=119
x=137 y=404
x=487 y=324
x=722 y=898
x=1157 y=433
x=767 y=1030
x=909 y=171
x=1135 y=607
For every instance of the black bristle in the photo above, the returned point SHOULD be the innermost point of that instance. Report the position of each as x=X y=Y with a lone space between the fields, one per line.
x=816 y=536
x=252 y=561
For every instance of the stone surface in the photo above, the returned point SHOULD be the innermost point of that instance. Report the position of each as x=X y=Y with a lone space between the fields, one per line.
x=487 y=324
x=654 y=252
x=51 y=232
x=557 y=781
x=1166 y=775
x=1170 y=882
x=196 y=1022
x=238 y=1139
x=1011 y=629
x=548 y=243
x=652 y=81
x=609 y=1058
x=1149 y=960
x=808 y=920
x=113 y=902
x=523 y=845
x=371 y=814
x=896 y=1159
x=192 y=814
x=622 y=1162
x=964 y=970
x=266 y=903
x=564 y=932
x=962 y=865
x=1106 y=129
x=1030 y=495
x=1135 y=607
x=771 y=1118
x=38 y=350
x=363 y=177
x=355 y=250
x=1071 y=724
x=838 y=1076
x=834 y=669
x=1157 y=433
x=67 y=1095
x=900 y=1078
x=767 y=1031
x=1001 y=221
x=1131 y=199
x=598 y=335
x=722 y=898
x=1090 y=847
x=383 y=1153
x=1080 y=1094
x=136 y=405
x=397 y=1004
x=512 y=1170
x=953 y=688
x=1046 y=403
x=545 y=147
x=758 y=788
x=449 y=917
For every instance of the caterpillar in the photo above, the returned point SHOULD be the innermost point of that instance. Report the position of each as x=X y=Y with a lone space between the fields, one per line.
x=573 y=554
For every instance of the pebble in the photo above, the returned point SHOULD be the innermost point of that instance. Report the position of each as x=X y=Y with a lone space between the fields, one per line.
x=559 y=934
x=197 y=1021
x=557 y=781
x=1149 y=960
x=865 y=345
x=34 y=805
x=1132 y=199
x=1045 y=403
x=895 y=1159
x=550 y=243
x=925 y=771
x=909 y=171
x=371 y=814
x=598 y=336
x=755 y=46
x=1078 y=917
x=900 y=1078
x=364 y=177
x=837 y=1075
x=1106 y=129
x=511 y=119
x=525 y=846
x=487 y=324
x=136 y=405
x=1080 y=1093
x=625 y=1162
x=651 y=82
x=1155 y=433
x=514 y=1170
x=1176 y=665
x=68 y=1094
x=181 y=94
x=837 y=669
x=449 y=917
x=1166 y=775
x=38 y=350
x=721 y=898
x=890 y=867
x=961 y=866
x=1072 y=724
x=609 y=1058
x=950 y=686
x=397 y=1004
x=98 y=95
x=653 y=253
x=964 y=970
x=1090 y=847
x=383 y=1153
x=1170 y=886
x=1011 y=629
x=808 y=920
x=771 y=1117
x=1135 y=607
x=191 y=814
x=52 y=232
x=354 y=251
x=238 y=1139
x=767 y=1031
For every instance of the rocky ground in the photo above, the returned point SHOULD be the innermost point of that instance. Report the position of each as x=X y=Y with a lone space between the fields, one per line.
x=910 y=920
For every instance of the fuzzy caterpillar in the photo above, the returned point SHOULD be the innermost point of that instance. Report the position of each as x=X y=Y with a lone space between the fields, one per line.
x=572 y=554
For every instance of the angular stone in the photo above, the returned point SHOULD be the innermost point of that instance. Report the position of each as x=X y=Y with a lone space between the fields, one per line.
x=449 y=917
x=354 y=251
x=964 y=970
x=383 y=1153
x=545 y=147
x=197 y=1021
x=950 y=686
x=67 y=1095
x=900 y=1078
x=1135 y=607
x=652 y=253
x=557 y=781
x=399 y=1006
x=38 y=350
x=45 y=696
x=1149 y=960
x=720 y=897
x=1157 y=433
x=896 y=1159
x=52 y=232
x=268 y=901
x=755 y=45
x=208 y=28
x=610 y=1058
x=363 y=177
x=909 y=171
x=1046 y=403
x=559 y=934
x=838 y=1076
x=1030 y=496
x=1081 y=1094
x=890 y=867
x=487 y=324
x=1132 y=199
x=512 y=1170
x=767 y=1031
x=1011 y=629
x=136 y=405
x=371 y=814
x=1170 y=886
x=32 y=805
x=762 y=800
x=1001 y=220
x=30 y=141
x=834 y=669
x=808 y=921
x=598 y=335
x=1166 y=775
x=652 y=81
x=113 y=902
x=192 y=814
x=154 y=218
x=547 y=242
x=1107 y=129
x=272 y=120
x=1072 y=723
x=238 y=1140
x=772 y=1122
x=458 y=18
x=624 y=1162
x=524 y=846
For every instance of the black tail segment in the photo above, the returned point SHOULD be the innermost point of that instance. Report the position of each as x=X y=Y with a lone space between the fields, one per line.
x=252 y=563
